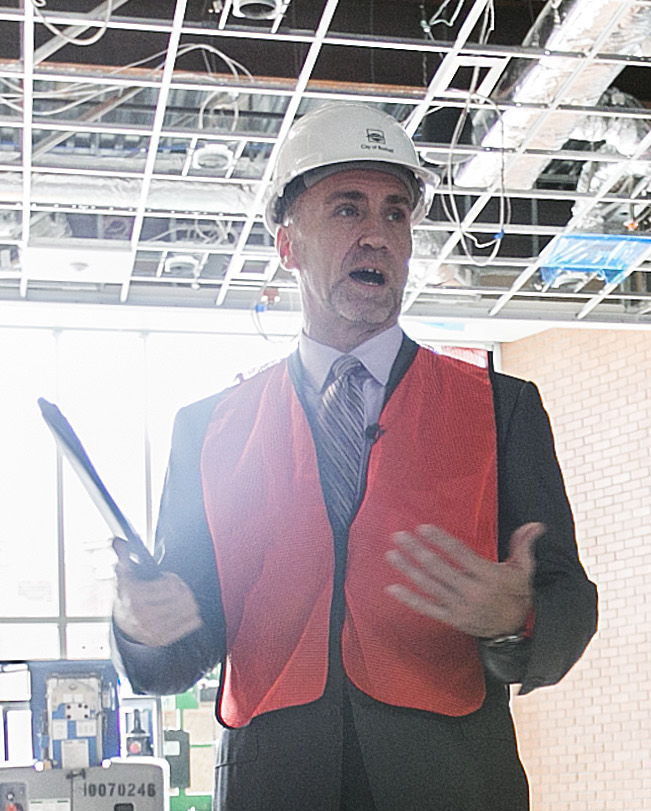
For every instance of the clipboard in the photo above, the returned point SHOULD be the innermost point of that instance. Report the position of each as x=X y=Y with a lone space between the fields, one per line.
x=70 y=445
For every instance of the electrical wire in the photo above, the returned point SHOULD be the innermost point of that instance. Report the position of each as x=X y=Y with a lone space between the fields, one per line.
x=91 y=40
x=18 y=108
x=448 y=200
x=79 y=92
x=235 y=68
x=218 y=234
x=82 y=99
x=439 y=19
x=82 y=92
x=451 y=210
x=69 y=89
x=233 y=64
x=256 y=311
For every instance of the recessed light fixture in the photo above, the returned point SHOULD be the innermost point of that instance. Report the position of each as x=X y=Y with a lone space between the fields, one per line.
x=181 y=264
x=214 y=157
x=257 y=9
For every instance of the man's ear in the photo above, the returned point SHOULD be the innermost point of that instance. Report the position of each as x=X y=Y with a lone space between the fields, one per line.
x=285 y=248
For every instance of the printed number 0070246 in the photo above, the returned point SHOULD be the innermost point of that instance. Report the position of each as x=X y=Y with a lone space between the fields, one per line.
x=119 y=789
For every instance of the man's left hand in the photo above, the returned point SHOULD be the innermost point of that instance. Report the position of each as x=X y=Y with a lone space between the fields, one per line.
x=455 y=586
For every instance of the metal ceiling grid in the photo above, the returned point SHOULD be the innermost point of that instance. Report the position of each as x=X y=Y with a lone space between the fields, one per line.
x=142 y=182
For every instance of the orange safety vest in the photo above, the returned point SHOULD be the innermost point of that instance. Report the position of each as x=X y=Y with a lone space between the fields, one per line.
x=435 y=463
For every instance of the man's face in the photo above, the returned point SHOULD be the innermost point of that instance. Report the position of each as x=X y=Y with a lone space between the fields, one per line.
x=349 y=240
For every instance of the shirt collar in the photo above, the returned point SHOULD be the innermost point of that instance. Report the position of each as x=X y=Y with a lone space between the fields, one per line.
x=377 y=354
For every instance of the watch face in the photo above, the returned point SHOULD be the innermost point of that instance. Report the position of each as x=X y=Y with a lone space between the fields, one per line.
x=505 y=641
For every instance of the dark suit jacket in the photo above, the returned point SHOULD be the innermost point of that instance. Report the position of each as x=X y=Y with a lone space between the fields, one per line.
x=291 y=759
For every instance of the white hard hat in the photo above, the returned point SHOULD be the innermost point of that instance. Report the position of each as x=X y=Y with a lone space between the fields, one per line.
x=347 y=136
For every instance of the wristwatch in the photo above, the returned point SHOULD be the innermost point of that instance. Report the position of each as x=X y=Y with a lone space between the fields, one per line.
x=506 y=656
x=505 y=641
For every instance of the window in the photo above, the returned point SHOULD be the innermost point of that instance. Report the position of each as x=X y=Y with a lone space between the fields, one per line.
x=120 y=390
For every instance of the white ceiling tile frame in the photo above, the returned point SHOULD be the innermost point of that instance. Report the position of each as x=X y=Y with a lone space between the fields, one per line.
x=509 y=158
x=28 y=88
x=439 y=82
x=355 y=40
x=451 y=62
x=159 y=26
x=157 y=126
x=589 y=202
x=288 y=119
x=594 y=198
x=223 y=17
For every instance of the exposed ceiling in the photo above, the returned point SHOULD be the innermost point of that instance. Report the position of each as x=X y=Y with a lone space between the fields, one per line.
x=132 y=168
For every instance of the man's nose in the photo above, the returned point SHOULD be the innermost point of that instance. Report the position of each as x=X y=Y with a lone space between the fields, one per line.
x=374 y=233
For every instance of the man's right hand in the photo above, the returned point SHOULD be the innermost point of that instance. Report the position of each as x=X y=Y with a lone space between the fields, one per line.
x=153 y=612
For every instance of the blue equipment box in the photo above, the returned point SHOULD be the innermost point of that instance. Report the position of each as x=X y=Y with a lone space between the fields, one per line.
x=75 y=718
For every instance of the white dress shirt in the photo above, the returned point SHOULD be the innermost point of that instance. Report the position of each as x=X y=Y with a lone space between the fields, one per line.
x=377 y=354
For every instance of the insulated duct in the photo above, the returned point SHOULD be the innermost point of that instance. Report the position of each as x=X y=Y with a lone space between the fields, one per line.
x=124 y=193
x=423 y=267
x=617 y=26
x=618 y=136
x=623 y=134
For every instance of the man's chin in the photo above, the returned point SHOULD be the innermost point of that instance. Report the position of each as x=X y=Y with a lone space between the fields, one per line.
x=366 y=313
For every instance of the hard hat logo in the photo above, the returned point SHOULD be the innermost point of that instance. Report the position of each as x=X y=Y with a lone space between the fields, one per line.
x=376 y=136
x=377 y=148
x=341 y=136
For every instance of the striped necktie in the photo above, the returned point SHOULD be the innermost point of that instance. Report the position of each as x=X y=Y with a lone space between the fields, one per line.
x=342 y=438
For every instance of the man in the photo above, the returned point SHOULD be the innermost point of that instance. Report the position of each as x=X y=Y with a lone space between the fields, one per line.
x=372 y=550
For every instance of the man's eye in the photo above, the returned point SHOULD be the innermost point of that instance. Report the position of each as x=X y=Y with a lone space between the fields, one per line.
x=346 y=211
x=399 y=215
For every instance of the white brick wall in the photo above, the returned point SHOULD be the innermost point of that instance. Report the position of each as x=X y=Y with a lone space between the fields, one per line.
x=586 y=742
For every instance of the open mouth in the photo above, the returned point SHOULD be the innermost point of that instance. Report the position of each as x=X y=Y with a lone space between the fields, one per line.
x=368 y=276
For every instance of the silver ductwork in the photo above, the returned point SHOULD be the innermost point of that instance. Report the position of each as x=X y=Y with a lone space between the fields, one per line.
x=423 y=270
x=124 y=193
x=584 y=26
x=622 y=134
x=617 y=136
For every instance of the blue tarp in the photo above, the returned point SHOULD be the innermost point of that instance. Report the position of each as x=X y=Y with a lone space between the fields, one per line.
x=610 y=256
